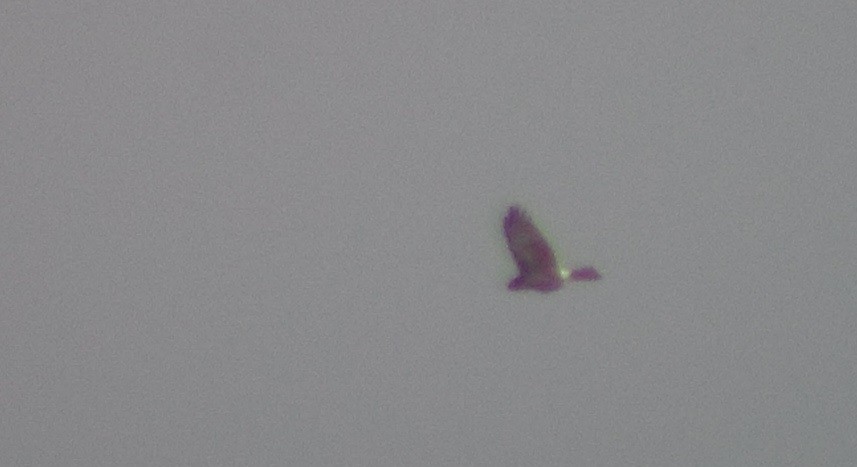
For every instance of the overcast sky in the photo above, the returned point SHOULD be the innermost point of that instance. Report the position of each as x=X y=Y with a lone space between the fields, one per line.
x=269 y=233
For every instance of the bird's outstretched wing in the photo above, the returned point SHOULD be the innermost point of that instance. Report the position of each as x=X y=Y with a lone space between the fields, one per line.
x=536 y=262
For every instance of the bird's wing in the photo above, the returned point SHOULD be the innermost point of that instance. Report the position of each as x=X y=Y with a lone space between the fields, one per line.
x=531 y=251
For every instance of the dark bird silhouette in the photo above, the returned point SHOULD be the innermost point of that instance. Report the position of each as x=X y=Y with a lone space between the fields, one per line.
x=537 y=268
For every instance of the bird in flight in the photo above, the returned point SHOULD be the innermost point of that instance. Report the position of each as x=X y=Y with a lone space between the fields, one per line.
x=537 y=268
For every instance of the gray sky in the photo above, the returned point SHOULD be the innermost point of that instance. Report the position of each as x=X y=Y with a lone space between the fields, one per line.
x=270 y=233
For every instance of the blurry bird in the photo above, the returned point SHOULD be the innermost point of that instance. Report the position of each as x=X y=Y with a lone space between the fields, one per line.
x=537 y=268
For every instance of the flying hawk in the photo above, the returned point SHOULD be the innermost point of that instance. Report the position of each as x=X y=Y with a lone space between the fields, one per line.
x=537 y=268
